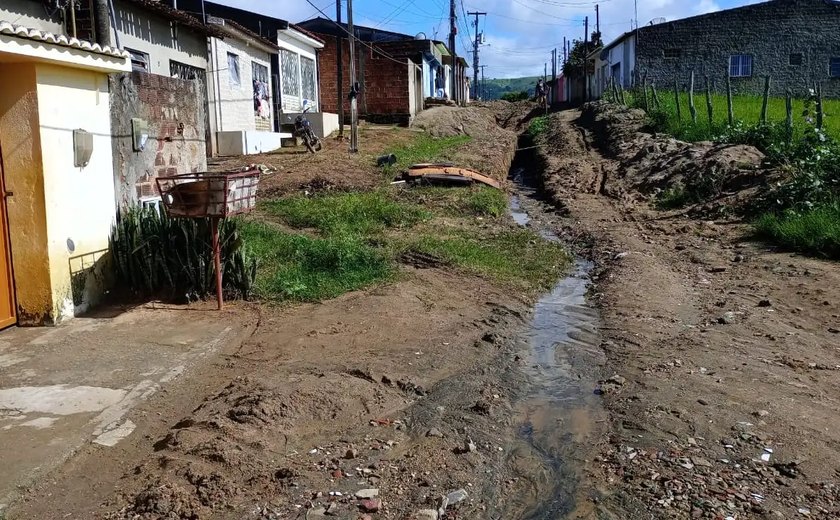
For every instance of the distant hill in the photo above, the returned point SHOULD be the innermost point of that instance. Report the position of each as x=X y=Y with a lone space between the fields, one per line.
x=496 y=87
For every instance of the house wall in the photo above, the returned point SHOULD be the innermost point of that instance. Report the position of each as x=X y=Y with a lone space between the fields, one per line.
x=30 y=14
x=292 y=103
x=163 y=41
x=174 y=111
x=770 y=32
x=20 y=134
x=79 y=200
x=235 y=109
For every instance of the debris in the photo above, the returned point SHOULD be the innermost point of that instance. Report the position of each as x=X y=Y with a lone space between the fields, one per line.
x=367 y=493
x=761 y=413
x=448 y=174
x=470 y=446
x=386 y=160
x=371 y=505
x=727 y=319
x=351 y=454
x=426 y=514
x=456 y=497
x=764 y=303
x=434 y=432
x=703 y=402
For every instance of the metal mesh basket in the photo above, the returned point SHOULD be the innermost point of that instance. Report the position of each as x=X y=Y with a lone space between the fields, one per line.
x=192 y=195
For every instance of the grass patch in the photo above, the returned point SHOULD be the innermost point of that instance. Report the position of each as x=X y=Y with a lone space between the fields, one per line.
x=476 y=200
x=300 y=268
x=346 y=213
x=538 y=126
x=815 y=232
x=426 y=149
x=673 y=198
x=519 y=258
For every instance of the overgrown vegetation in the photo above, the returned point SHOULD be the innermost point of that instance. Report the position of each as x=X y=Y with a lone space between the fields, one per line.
x=515 y=96
x=799 y=213
x=538 y=126
x=155 y=256
x=479 y=201
x=426 y=149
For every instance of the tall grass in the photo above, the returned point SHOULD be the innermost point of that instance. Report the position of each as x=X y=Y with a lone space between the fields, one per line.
x=426 y=149
x=815 y=231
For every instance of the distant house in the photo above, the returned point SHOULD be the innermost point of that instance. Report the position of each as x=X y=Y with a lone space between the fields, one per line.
x=615 y=61
x=795 y=42
x=295 y=70
x=395 y=71
x=56 y=169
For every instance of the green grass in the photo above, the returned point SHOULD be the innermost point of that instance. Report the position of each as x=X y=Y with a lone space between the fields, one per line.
x=295 y=267
x=346 y=213
x=519 y=258
x=477 y=200
x=426 y=149
x=746 y=108
x=538 y=126
x=674 y=198
x=815 y=232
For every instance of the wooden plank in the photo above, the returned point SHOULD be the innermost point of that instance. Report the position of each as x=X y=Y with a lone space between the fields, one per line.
x=446 y=171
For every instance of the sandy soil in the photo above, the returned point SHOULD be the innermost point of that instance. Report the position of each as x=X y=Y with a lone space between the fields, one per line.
x=728 y=351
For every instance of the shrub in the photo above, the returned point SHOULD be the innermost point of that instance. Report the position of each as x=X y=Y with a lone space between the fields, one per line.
x=155 y=256
x=815 y=231
x=515 y=96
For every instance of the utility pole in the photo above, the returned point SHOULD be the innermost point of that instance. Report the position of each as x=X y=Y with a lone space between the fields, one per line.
x=483 y=84
x=354 y=84
x=586 y=57
x=340 y=71
x=565 y=51
x=453 y=30
x=597 y=18
x=475 y=50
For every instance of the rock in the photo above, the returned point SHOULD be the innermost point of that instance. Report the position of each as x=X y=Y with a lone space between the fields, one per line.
x=434 y=432
x=761 y=413
x=470 y=446
x=703 y=402
x=426 y=514
x=316 y=513
x=456 y=497
x=834 y=331
x=717 y=269
x=371 y=505
x=764 y=303
x=337 y=473
x=367 y=493
x=727 y=319
x=617 y=380
x=351 y=454
x=332 y=509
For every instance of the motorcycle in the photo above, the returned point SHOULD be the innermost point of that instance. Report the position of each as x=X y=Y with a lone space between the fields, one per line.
x=303 y=130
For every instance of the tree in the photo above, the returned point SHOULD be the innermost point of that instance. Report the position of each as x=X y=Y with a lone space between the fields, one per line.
x=574 y=66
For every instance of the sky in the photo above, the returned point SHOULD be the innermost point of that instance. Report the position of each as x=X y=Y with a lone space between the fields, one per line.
x=518 y=34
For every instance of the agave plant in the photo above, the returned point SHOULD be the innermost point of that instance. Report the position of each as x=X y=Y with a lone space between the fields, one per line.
x=156 y=256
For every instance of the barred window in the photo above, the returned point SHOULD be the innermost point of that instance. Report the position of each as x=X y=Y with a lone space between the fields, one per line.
x=740 y=65
x=834 y=68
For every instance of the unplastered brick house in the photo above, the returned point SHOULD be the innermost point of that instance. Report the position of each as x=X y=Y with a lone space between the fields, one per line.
x=795 y=42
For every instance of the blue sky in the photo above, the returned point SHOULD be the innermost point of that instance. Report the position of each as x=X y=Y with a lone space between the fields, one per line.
x=519 y=34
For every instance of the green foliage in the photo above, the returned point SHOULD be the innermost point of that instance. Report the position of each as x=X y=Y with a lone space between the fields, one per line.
x=346 y=213
x=477 y=200
x=538 y=126
x=296 y=267
x=426 y=149
x=515 y=96
x=814 y=231
x=154 y=255
x=577 y=62
x=674 y=198
x=517 y=257
x=496 y=88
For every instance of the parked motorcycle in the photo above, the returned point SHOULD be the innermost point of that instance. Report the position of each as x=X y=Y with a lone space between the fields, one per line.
x=303 y=130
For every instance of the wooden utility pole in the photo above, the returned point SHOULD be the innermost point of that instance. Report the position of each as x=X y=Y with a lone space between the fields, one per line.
x=475 y=51
x=565 y=53
x=597 y=18
x=586 y=57
x=354 y=84
x=453 y=30
x=340 y=71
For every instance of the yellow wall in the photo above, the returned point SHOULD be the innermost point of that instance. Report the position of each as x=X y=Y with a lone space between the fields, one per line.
x=79 y=201
x=21 y=138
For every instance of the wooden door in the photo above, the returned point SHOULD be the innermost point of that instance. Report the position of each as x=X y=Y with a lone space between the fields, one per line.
x=7 y=286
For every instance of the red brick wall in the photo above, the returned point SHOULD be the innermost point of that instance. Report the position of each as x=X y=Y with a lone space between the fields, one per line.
x=384 y=82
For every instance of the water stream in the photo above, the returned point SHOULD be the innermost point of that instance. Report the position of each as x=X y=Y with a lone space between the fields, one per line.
x=560 y=416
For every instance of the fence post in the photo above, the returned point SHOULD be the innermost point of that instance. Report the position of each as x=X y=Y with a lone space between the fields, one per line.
x=766 y=100
x=820 y=113
x=656 y=103
x=645 y=92
x=709 y=107
x=677 y=99
x=623 y=99
x=691 y=107
x=789 y=115
x=729 y=100
x=615 y=91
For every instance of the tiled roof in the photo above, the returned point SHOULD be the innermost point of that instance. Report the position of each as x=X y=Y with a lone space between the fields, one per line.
x=19 y=31
x=178 y=16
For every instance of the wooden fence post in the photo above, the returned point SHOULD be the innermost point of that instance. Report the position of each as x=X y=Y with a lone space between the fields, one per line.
x=766 y=100
x=615 y=92
x=709 y=107
x=729 y=106
x=645 y=92
x=691 y=107
x=820 y=113
x=677 y=99
x=789 y=115
x=656 y=103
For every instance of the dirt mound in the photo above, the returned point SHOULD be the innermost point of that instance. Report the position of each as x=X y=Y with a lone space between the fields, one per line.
x=162 y=501
x=513 y=116
x=491 y=149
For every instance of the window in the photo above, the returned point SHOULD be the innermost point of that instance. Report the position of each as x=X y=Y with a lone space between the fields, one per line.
x=290 y=73
x=834 y=67
x=308 y=80
x=184 y=71
x=262 y=93
x=796 y=59
x=672 y=54
x=139 y=60
x=740 y=66
x=233 y=69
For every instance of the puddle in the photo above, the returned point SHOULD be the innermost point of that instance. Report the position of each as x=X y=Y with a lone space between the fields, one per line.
x=561 y=413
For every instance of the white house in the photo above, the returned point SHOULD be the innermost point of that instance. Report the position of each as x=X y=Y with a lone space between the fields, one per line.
x=241 y=91
x=614 y=61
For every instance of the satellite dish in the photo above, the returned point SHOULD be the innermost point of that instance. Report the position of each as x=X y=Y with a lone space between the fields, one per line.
x=656 y=21
x=421 y=36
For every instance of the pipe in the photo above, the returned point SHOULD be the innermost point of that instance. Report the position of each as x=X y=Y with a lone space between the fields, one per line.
x=102 y=22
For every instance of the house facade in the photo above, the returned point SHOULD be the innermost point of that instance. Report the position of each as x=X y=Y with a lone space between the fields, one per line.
x=56 y=168
x=793 y=41
x=616 y=62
